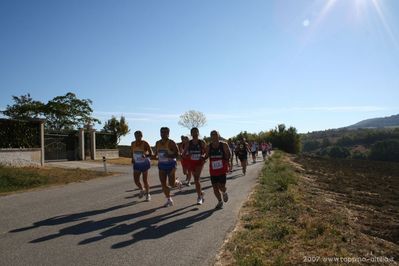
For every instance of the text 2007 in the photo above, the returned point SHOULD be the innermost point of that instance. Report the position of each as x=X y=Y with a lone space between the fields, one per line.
x=311 y=259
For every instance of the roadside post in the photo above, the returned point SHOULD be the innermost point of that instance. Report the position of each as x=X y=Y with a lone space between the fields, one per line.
x=105 y=164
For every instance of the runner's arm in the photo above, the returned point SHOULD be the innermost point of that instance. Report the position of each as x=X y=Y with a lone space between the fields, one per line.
x=175 y=150
x=227 y=151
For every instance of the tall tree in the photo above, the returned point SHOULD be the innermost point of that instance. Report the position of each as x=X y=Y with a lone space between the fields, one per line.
x=69 y=112
x=192 y=119
x=24 y=107
x=62 y=112
x=118 y=127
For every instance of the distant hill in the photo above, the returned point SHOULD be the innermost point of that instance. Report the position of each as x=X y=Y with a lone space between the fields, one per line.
x=382 y=122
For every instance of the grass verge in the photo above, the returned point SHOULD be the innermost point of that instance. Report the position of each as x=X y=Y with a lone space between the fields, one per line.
x=289 y=221
x=17 y=179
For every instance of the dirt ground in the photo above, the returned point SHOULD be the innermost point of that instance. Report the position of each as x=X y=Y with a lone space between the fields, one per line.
x=368 y=190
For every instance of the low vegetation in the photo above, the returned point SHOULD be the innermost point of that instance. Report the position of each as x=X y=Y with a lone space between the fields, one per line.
x=379 y=144
x=17 y=179
x=303 y=212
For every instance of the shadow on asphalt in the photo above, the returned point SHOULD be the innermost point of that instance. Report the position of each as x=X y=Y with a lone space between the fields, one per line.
x=152 y=231
x=146 y=229
x=69 y=218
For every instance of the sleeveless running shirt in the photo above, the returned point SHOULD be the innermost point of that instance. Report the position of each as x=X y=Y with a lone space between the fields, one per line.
x=194 y=151
x=164 y=162
x=218 y=165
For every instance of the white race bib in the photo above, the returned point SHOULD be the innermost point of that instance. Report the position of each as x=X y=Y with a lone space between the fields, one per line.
x=162 y=156
x=195 y=156
x=138 y=157
x=217 y=164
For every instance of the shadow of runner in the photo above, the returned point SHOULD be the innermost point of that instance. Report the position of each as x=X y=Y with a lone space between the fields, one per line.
x=69 y=218
x=91 y=226
x=152 y=231
x=123 y=229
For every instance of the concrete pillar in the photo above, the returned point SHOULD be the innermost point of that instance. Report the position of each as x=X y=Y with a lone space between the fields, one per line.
x=81 y=144
x=93 y=144
x=42 y=142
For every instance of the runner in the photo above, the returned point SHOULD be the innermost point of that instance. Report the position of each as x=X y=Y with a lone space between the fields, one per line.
x=232 y=147
x=184 y=160
x=254 y=151
x=196 y=150
x=242 y=151
x=166 y=152
x=264 y=147
x=219 y=155
x=141 y=151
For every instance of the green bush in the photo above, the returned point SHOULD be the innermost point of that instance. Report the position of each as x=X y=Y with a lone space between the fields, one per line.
x=338 y=152
x=387 y=150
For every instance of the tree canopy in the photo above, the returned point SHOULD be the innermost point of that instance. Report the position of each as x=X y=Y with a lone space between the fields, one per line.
x=192 y=119
x=118 y=127
x=62 y=112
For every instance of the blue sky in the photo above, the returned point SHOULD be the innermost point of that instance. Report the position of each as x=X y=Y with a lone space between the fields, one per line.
x=247 y=65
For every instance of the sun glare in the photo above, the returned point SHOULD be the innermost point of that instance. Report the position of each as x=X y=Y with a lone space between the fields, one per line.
x=362 y=8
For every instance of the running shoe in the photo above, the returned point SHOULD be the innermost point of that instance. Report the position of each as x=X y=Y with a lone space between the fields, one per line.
x=219 y=205
x=168 y=203
x=199 y=201
x=148 y=197
x=225 y=197
x=141 y=194
x=178 y=184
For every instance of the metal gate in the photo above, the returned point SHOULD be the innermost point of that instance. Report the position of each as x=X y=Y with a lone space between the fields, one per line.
x=61 y=146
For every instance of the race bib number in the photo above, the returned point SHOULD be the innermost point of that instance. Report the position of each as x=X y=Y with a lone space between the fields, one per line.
x=138 y=157
x=162 y=156
x=217 y=164
x=195 y=156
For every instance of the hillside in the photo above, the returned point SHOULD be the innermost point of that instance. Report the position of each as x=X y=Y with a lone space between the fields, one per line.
x=382 y=122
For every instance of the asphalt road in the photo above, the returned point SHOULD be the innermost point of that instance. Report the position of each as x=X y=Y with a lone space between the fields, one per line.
x=102 y=222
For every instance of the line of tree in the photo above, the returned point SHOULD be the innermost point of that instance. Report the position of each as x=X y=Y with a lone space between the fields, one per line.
x=66 y=112
x=283 y=138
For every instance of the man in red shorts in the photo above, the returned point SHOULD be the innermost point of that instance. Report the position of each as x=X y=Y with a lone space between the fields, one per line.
x=196 y=152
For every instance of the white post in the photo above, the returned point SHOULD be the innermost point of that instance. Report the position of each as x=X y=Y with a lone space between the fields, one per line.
x=105 y=164
x=93 y=144
x=81 y=144
x=42 y=142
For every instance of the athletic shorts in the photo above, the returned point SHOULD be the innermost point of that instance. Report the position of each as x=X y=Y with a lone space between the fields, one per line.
x=221 y=179
x=243 y=157
x=192 y=165
x=169 y=166
x=142 y=167
x=185 y=163
x=254 y=153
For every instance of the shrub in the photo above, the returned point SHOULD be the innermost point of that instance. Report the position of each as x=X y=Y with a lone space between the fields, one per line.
x=387 y=150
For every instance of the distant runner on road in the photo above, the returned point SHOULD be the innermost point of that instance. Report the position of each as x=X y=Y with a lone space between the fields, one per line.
x=219 y=155
x=196 y=150
x=232 y=147
x=166 y=152
x=184 y=159
x=242 y=151
x=141 y=152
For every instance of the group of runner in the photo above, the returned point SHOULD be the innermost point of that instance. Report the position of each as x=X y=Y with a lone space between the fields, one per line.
x=193 y=154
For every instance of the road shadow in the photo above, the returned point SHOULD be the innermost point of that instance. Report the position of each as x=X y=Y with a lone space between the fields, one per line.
x=69 y=218
x=91 y=226
x=152 y=231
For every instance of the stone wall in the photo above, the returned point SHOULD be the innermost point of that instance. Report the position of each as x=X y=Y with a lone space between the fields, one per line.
x=21 y=157
x=108 y=153
x=124 y=151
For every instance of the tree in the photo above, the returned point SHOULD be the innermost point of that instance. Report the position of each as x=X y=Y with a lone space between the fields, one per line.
x=192 y=119
x=287 y=140
x=387 y=150
x=69 y=112
x=24 y=108
x=118 y=127
x=62 y=112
